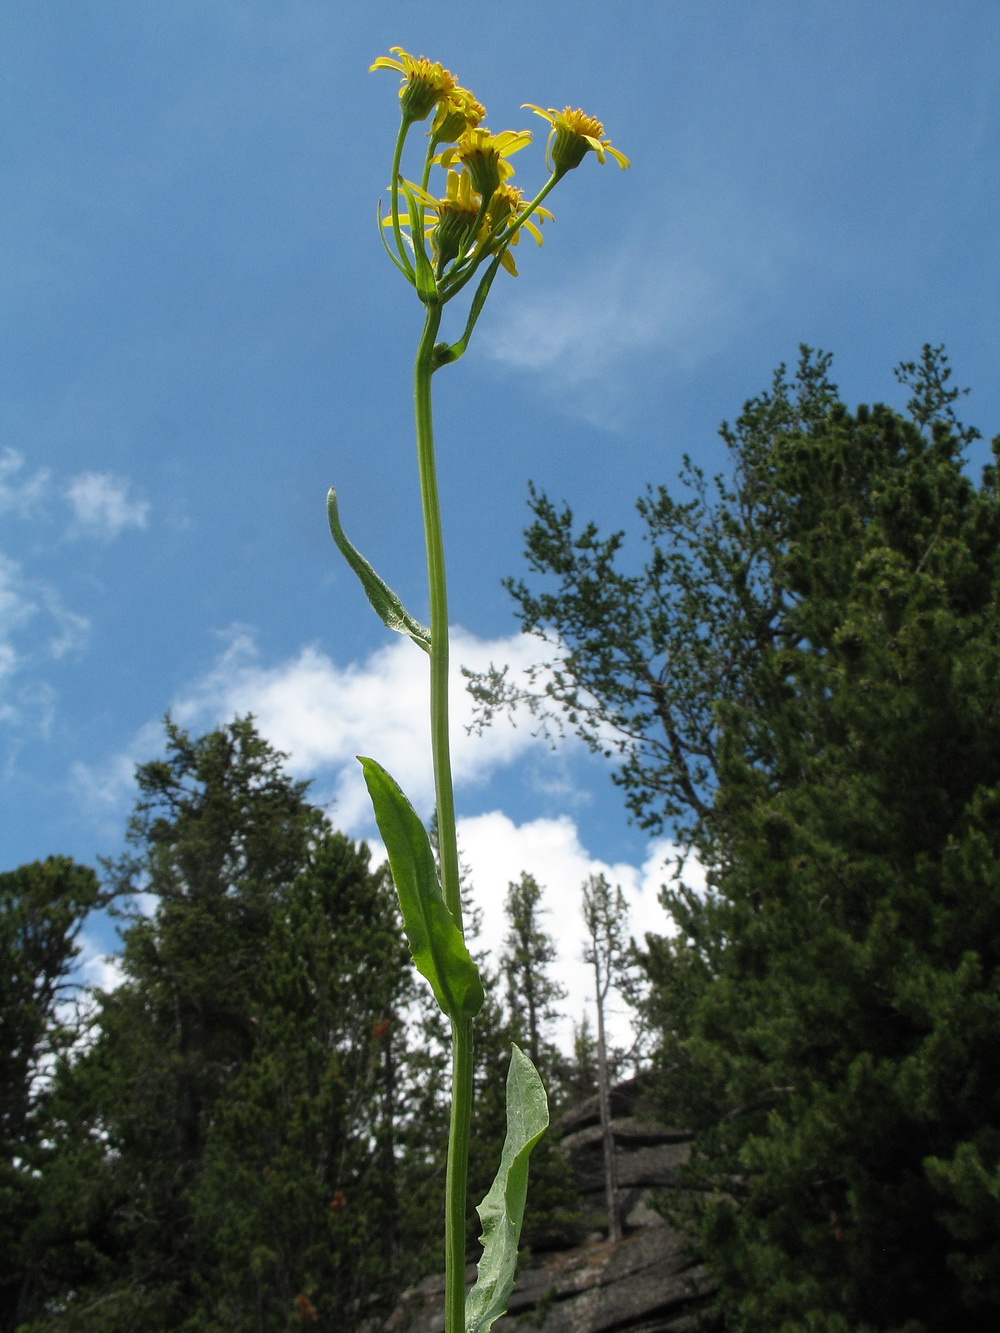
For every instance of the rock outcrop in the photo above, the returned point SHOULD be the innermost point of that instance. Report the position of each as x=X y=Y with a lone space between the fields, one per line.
x=649 y=1282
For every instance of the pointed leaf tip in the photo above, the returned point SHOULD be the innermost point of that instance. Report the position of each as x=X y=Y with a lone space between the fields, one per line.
x=436 y=944
x=389 y=608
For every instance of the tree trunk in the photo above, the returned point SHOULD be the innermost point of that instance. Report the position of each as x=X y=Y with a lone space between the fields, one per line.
x=604 y=1097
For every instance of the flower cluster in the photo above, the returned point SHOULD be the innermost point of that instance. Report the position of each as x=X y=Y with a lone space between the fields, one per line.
x=481 y=214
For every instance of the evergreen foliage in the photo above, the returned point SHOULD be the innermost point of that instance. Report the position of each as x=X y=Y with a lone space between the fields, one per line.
x=552 y=1203
x=803 y=678
x=230 y=1132
x=42 y=907
x=532 y=993
x=249 y=1131
x=579 y=1076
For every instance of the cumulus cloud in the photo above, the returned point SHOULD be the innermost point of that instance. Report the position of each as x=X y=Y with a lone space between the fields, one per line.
x=323 y=715
x=96 y=967
x=102 y=506
x=496 y=851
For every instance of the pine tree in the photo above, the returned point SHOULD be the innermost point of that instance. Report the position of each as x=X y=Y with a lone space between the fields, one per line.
x=579 y=1075
x=532 y=994
x=802 y=681
x=234 y=1157
x=42 y=908
x=301 y=1170
x=606 y=951
x=553 y=1205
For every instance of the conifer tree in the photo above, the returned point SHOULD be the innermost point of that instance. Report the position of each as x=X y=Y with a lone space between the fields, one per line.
x=579 y=1075
x=801 y=681
x=606 y=951
x=42 y=908
x=301 y=1169
x=532 y=993
x=231 y=1149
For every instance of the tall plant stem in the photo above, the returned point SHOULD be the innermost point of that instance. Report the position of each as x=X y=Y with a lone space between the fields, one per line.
x=461 y=1085
x=457 y=1177
x=437 y=588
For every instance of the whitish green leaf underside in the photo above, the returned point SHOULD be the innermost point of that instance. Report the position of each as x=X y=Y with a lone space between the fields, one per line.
x=502 y=1211
x=390 y=609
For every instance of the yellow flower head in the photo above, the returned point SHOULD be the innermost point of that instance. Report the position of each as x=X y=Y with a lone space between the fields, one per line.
x=483 y=154
x=456 y=113
x=506 y=206
x=425 y=82
x=573 y=134
x=457 y=213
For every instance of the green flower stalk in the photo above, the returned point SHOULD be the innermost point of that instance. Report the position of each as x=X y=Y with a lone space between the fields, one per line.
x=441 y=243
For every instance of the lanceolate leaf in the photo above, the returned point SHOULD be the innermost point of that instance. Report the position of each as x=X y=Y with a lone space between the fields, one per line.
x=390 y=609
x=502 y=1211
x=436 y=943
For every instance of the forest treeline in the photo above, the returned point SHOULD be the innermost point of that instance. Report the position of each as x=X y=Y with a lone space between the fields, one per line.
x=248 y=1131
x=799 y=677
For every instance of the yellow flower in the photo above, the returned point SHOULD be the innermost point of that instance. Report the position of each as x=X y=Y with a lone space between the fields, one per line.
x=575 y=134
x=483 y=154
x=456 y=215
x=456 y=113
x=506 y=206
x=450 y=222
x=425 y=82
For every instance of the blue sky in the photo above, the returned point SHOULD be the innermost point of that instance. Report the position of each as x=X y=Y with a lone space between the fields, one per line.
x=202 y=333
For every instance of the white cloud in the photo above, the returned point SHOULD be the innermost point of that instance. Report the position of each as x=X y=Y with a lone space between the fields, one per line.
x=323 y=715
x=102 y=506
x=34 y=627
x=106 y=792
x=16 y=610
x=96 y=967
x=586 y=341
x=496 y=851
x=17 y=495
x=106 y=787
x=33 y=603
x=576 y=333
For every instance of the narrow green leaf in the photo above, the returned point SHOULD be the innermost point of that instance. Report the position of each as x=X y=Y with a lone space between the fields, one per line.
x=390 y=609
x=502 y=1211
x=436 y=943
x=426 y=283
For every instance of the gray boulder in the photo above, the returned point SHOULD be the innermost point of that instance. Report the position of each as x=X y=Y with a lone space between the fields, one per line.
x=650 y=1282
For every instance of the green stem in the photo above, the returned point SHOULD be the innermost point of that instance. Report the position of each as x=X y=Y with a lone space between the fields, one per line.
x=475 y=310
x=455 y=278
x=546 y=189
x=457 y=1179
x=461 y=1086
x=397 y=155
x=440 y=743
